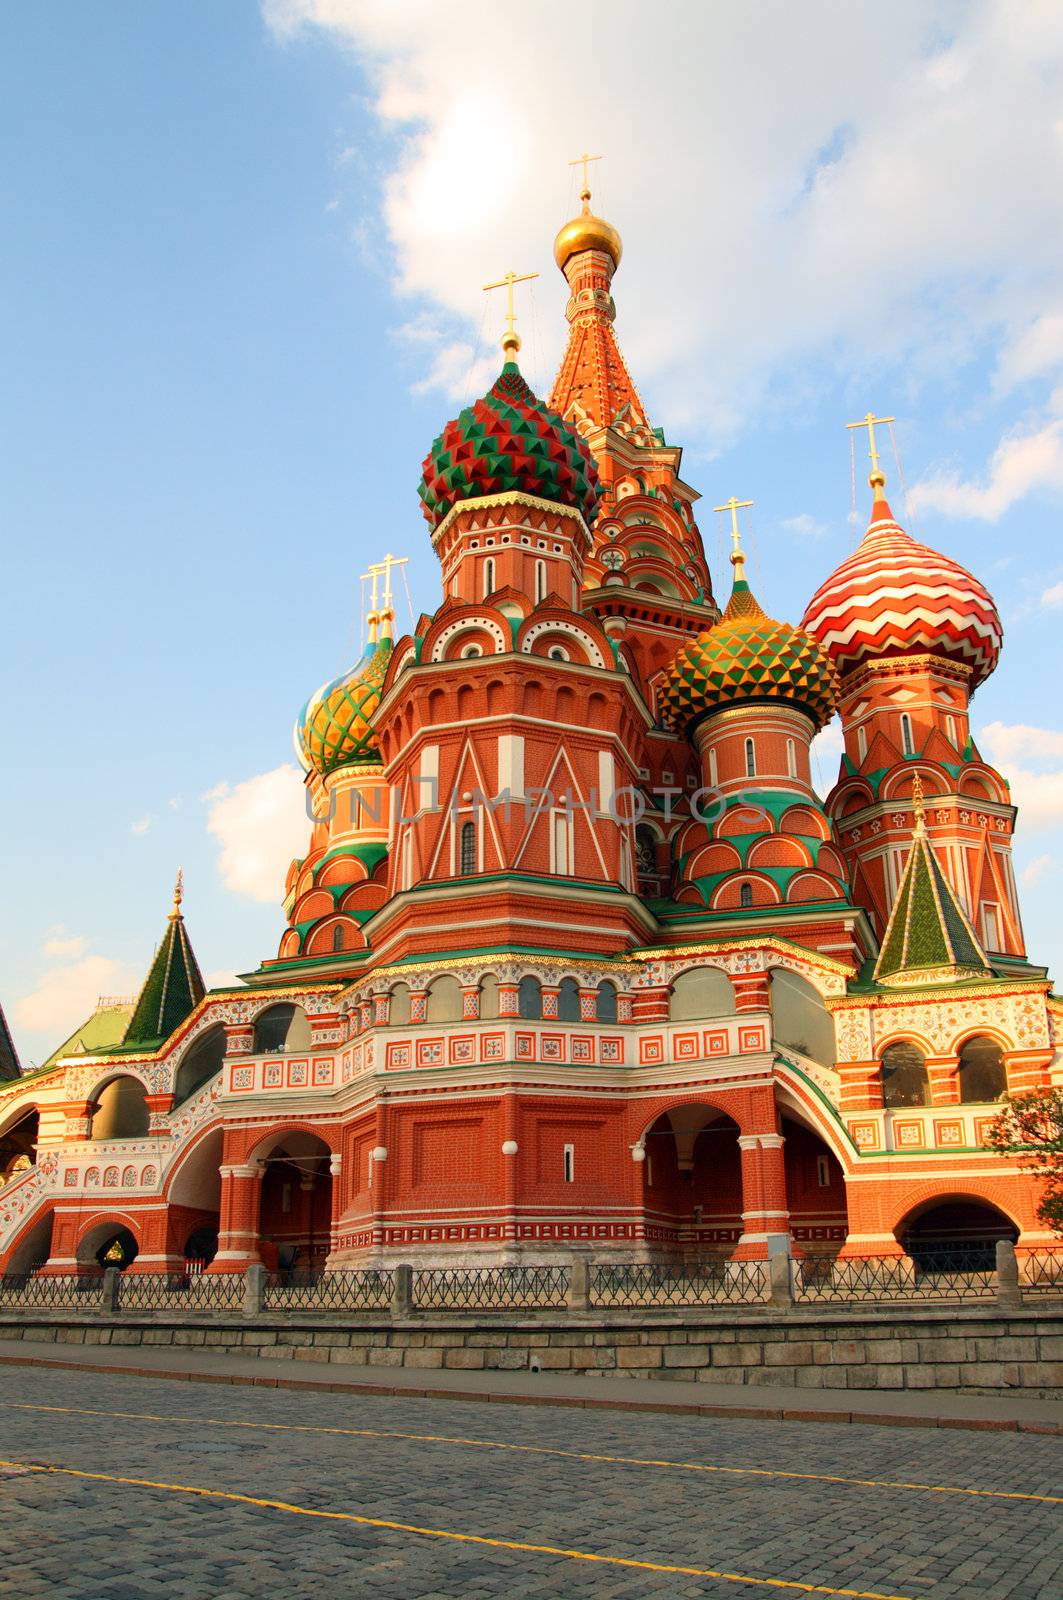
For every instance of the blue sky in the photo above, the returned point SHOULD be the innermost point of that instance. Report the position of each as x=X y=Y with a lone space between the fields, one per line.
x=241 y=292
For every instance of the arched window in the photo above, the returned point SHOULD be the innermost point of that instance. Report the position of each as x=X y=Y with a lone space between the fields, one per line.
x=556 y=652
x=568 y=1001
x=904 y=1080
x=337 y=938
x=751 y=759
x=468 y=849
x=489 y=995
x=906 y=734
x=399 y=1009
x=981 y=1072
x=444 y=1000
x=646 y=850
x=606 y=1001
x=489 y=576
x=701 y=992
x=120 y=1111
x=202 y=1061
x=280 y=1028
x=714 y=768
x=562 y=862
x=791 y=759
x=861 y=743
x=540 y=581
x=530 y=999
x=745 y=896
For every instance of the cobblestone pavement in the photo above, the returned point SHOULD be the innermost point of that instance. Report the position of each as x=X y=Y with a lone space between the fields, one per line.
x=748 y=1532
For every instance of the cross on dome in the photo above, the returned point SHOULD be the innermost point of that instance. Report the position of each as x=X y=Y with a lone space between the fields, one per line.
x=511 y=338
x=877 y=478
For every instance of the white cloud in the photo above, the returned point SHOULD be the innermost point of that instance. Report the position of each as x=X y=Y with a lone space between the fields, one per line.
x=260 y=824
x=221 y=978
x=64 y=947
x=66 y=995
x=804 y=525
x=1022 y=462
x=1037 y=350
x=142 y=825
x=1029 y=758
x=775 y=213
x=1053 y=597
x=824 y=753
x=1035 y=870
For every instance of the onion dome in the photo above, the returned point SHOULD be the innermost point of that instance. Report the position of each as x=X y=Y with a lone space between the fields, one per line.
x=587 y=232
x=895 y=596
x=334 y=728
x=508 y=442
x=747 y=656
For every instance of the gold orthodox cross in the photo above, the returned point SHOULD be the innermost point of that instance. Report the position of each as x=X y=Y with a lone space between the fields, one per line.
x=869 y=422
x=507 y=283
x=377 y=570
x=734 y=507
x=584 y=161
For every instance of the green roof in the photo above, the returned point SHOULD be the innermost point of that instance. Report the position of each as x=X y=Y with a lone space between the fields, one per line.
x=927 y=930
x=102 y=1031
x=174 y=986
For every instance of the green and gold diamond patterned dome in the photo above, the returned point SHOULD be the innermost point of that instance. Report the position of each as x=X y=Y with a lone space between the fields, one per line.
x=334 y=728
x=508 y=442
x=748 y=656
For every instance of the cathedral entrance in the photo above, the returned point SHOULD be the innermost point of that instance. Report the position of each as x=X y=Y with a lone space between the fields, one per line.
x=18 y=1148
x=295 y=1217
x=693 y=1183
x=958 y=1232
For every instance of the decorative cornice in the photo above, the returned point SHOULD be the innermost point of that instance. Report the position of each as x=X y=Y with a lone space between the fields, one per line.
x=487 y=502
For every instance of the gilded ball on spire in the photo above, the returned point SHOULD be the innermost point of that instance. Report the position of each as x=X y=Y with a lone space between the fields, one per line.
x=587 y=232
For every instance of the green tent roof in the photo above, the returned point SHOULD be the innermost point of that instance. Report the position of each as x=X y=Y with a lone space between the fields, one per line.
x=174 y=986
x=928 y=932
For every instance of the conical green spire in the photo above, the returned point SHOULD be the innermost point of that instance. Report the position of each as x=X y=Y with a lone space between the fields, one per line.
x=928 y=937
x=173 y=987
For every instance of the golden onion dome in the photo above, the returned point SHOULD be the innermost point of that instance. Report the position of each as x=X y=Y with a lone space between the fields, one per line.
x=587 y=232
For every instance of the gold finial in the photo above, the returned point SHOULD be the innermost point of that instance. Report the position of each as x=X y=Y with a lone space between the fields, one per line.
x=511 y=338
x=386 y=614
x=178 y=895
x=877 y=478
x=738 y=560
x=918 y=808
x=584 y=161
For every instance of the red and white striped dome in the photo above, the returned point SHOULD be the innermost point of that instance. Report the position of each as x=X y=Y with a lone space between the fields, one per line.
x=895 y=596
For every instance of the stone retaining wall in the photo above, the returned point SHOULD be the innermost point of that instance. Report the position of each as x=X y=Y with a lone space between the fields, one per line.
x=971 y=1349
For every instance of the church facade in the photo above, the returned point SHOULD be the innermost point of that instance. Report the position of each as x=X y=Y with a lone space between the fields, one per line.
x=577 y=959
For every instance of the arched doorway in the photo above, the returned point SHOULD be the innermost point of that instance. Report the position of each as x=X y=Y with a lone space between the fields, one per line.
x=692 y=1179
x=295 y=1216
x=960 y=1232
x=18 y=1148
x=194 y=1206
x=815 y=1189
x=108 y=1244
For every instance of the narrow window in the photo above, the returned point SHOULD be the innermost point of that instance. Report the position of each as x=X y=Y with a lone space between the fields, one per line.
x=990 y=927
x=714 y=771
x=861 y=743
x=751 y=759
x=540 y=581
x=570 y=1163
x=468 y=849
x=337 y=938
x=562 y=841
x=489 y=576
x=745 y=896
x=649 y=1172
x=791 y=759
x=823 y=1172
x=950 y=728
x=906 y=734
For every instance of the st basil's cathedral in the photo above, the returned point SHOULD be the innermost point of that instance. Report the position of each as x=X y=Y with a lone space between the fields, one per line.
x=577 y=960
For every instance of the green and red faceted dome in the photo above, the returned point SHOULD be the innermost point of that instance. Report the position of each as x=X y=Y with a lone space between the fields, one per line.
x=894 y=597
x=334 y=728
x=508 y=442
x=748 y=656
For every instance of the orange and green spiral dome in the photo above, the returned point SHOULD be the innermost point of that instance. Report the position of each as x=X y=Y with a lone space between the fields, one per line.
x=334 y=728
x=748 y=656
x=508 y=442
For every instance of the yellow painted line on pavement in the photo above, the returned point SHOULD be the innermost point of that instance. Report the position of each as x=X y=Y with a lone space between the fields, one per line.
x=541 y=1450
x=448 y=1533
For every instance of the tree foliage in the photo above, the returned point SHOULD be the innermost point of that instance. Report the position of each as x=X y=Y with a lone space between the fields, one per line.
x=1031 y=1127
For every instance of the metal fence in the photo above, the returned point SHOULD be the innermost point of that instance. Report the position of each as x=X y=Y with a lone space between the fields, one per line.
x=1042 y=1274
x=503 y=1288
x=30 y=1291
x=328 y=1291
x=723 y=1283
x=940 y=1275
x=160 y=1291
